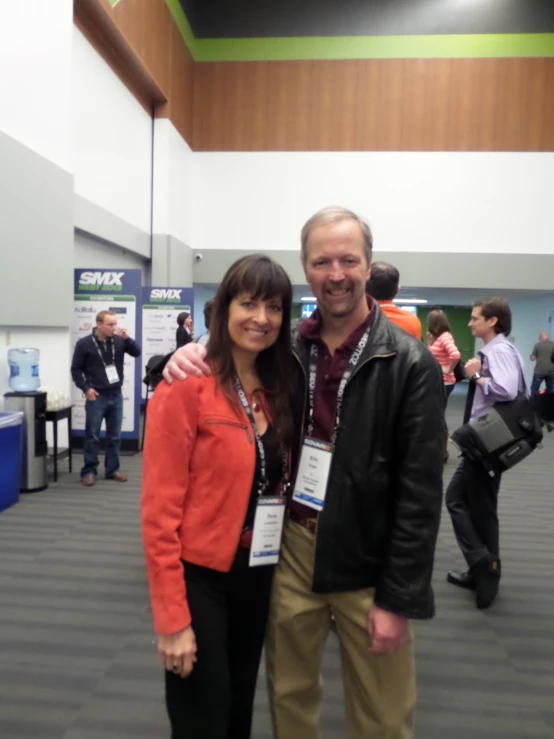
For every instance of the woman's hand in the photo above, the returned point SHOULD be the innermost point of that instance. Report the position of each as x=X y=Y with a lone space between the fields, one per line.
x=178 y=651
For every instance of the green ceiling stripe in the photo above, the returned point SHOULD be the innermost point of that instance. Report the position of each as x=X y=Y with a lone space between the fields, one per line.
x=374 y=47
x=477 y=46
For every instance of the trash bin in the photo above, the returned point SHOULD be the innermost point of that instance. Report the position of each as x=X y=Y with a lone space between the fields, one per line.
x=10 y=458
x=34 y=450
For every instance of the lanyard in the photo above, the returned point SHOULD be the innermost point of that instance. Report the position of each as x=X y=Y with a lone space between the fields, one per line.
x=264 y=482
x=100 y=353
x=352 y=362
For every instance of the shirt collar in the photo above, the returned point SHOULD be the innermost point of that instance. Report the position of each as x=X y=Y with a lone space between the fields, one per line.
x=107 y=341
x=310 y=328
x=498 y=339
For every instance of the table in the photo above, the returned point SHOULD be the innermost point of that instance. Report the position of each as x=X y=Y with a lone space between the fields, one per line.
x=54 y=417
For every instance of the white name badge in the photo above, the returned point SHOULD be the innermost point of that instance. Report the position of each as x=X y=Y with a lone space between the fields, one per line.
x=313 y=473
x=267 y=532
x=111 y=373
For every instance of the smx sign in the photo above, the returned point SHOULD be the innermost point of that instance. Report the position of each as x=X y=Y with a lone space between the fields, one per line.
x=100 y=281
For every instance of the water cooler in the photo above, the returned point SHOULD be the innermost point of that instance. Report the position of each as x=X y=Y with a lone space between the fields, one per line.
x=35 y=448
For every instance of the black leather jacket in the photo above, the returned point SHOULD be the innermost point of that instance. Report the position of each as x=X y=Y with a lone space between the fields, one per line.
x=381 y=516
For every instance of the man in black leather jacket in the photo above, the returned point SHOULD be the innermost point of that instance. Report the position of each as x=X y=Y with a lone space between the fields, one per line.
x=366 y=556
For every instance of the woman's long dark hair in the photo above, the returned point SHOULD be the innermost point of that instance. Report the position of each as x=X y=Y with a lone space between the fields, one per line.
x=437 y=323
x=262 y=278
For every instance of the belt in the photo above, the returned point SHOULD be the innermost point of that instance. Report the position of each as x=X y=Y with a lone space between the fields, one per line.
x=307 y=523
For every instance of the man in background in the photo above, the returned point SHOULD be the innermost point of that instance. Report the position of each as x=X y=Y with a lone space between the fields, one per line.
x=543 y=355
x=208 y=307
x=383 y=286
x=97 y=370
x=496 y=376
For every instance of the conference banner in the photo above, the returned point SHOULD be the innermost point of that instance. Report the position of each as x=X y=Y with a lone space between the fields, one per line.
x=160 y=308
x=118 y=291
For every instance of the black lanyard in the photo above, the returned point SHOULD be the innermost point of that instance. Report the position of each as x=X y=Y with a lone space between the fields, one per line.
x=264 y=482
x=100 y=352
x=353 y=361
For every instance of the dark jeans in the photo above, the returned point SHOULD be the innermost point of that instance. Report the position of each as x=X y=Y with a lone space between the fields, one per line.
x=229 y=615
x=110 y=408
x=537 y=382
x=472 y=501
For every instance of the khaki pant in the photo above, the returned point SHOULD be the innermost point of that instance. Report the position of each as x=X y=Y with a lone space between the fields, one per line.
x=379 y=692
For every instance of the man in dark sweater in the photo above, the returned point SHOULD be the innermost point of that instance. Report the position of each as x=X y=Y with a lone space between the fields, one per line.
x=97 y=370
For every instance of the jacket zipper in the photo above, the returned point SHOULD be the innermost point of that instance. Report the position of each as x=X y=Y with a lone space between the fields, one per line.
x=236 y=424
x=369 y=359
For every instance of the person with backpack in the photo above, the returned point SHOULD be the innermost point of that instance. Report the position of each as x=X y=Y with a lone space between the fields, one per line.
x=497 y=375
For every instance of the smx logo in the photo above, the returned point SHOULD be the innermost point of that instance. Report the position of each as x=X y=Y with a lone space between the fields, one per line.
x=159 y=293
x=101 y=278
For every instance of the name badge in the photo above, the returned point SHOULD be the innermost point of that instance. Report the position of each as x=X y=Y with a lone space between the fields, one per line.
x=313 y=473
x=267 y=532
x=111 y=373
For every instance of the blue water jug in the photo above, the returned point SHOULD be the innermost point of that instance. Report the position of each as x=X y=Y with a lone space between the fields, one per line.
x=24 y=375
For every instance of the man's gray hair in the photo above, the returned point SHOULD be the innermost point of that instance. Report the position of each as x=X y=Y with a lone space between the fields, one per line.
x=330 y=215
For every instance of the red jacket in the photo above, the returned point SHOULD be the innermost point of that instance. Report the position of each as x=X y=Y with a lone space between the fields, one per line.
x=199 y=464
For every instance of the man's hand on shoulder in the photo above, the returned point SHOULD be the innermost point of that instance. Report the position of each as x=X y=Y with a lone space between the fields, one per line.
x=188 y=359
x=387 y=631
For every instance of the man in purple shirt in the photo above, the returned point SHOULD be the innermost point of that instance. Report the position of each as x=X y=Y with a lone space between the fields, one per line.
x=472 y=496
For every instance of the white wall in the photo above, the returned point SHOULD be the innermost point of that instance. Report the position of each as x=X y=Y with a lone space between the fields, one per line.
x=432 y=202
x=530 y=317
x=91 y=253
x=35 y=82
x=113 y=139
x=173 y=182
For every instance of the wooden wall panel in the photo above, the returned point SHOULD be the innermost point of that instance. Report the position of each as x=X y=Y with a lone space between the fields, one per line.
x=146 y=25
x=142 y=44
x=375 y=105
x=96 y=23
x=179 y=104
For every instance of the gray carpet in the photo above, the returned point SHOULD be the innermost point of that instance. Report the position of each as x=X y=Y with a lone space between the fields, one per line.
x=76 y=653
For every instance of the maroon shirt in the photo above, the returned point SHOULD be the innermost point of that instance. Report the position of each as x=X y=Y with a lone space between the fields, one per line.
x=330 y=370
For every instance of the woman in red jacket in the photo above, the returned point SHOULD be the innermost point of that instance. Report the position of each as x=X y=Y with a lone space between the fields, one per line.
x=215 y=466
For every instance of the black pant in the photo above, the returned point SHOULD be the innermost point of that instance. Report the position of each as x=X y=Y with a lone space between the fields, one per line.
x=229 y=615
x=472 y=501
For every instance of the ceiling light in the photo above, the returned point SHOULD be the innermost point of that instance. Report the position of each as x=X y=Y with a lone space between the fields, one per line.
x=410 y=301
x=309 y=299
